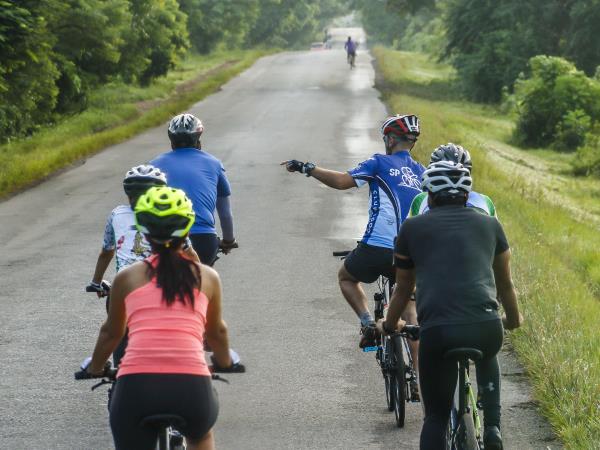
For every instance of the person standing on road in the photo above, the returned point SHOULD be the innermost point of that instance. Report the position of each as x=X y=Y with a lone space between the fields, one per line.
x=459 y=260
x=170 y=304
x=394 y=180
x=202 y=177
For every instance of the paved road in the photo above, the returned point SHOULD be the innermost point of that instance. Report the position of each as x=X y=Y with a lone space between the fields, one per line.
x=308 y=386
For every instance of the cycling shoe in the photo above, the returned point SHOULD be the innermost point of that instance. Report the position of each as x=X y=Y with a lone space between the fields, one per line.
x=492 y=439
x=369 y=335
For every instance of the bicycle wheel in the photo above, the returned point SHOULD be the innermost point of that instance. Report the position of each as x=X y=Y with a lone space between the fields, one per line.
x=465 y=436
x=388 y=378
x=399 y=375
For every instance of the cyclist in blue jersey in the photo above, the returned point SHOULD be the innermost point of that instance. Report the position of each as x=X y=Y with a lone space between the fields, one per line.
x=350 y=46
x=394 y=179
x=202 y=177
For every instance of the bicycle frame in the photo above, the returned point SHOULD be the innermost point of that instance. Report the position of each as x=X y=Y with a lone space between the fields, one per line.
x=467 y=404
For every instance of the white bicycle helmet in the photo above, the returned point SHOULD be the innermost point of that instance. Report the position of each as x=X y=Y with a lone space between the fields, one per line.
x=140 y=178
x=447 y=177
x=401 y=125
x=185 y=129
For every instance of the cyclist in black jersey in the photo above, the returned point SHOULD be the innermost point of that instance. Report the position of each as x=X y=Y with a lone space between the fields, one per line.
x=459 y=260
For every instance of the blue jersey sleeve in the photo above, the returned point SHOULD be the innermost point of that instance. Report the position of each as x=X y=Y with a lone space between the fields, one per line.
x=223 y=188
x=365 y=171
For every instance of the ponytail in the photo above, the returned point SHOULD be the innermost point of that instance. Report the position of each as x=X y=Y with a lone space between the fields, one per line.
x=176 y=275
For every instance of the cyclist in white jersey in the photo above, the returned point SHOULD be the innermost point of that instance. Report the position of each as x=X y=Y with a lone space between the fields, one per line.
x=457 y=154
x=121 y=236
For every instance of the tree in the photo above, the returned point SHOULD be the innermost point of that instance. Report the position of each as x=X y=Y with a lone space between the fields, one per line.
x=155 y=41
x=27 y=72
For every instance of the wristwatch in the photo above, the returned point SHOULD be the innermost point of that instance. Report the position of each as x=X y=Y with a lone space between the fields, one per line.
x=308 y=168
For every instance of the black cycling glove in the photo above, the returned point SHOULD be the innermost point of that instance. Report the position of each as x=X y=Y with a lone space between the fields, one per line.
x=294 y=165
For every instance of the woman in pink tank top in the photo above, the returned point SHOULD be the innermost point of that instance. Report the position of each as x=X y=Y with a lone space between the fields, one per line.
x=170 y=304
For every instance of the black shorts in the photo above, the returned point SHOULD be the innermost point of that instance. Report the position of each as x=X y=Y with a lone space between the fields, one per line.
x=206 y=245
x=367 y=262
x=137 y=396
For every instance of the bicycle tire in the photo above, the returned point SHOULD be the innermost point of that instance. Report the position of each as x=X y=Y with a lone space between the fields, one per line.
x=466 y=439
x=399 y=375
x=387 y=376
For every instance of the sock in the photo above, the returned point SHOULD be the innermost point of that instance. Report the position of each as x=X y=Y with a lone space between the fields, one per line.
x=366 y=318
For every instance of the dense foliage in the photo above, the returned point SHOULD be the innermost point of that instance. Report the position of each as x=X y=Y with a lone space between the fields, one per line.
x=557 y=104
x=55 y=51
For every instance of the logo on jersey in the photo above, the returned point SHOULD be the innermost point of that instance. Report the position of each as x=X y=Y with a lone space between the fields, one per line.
x=409 y=179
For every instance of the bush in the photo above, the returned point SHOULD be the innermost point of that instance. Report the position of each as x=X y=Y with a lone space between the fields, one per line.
x=587 y=158
x=552 y=101
x=571 y=130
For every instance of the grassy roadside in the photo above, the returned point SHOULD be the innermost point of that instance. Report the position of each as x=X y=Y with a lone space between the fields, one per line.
x=116 y=112
x=556 y=262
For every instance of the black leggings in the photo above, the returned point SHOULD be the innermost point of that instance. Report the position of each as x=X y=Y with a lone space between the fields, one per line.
x=206 y=245
x=137 y=396
x=438 y=376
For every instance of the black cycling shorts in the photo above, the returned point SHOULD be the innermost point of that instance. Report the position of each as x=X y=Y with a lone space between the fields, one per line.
x=367 y=262
x=207 y=246
x=137 y=396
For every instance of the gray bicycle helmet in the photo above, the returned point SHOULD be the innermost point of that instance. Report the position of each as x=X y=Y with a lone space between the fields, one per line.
x=452 y=152
x=185 y=130
x=141 y=178
x=446 y=178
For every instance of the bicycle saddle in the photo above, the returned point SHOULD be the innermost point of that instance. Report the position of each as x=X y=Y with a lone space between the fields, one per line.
x=463 y=352
x=163 y=421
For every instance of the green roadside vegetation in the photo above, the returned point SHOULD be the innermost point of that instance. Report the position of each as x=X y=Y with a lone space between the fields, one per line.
x=552 y=225
x=116 y=112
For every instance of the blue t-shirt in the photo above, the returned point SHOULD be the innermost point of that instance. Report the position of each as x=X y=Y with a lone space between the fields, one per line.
x=202 y=178
x=394 y=180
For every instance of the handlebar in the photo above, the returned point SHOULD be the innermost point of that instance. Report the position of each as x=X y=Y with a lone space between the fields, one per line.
x=103 y=288
x=411 y=332
x=342 y=253
x=109 y=373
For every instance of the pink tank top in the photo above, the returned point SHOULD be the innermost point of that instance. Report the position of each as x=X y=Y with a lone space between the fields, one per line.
x=164 y=339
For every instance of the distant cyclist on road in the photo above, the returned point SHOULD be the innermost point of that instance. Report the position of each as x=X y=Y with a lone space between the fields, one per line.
x=350 y=46
x=394 y=179
x=460 y=262
x=202 y=177
x=457 y=154
x=121 y=237
x=170 y=303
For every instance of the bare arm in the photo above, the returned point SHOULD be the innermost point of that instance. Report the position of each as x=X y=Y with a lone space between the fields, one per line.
x=216 y=329
x=113 y=329
x=506 y=291
x=333 y=178
x=405 y=285
x=104 y=259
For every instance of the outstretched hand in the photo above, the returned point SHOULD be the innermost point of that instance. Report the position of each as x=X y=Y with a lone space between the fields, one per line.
x=293 y=165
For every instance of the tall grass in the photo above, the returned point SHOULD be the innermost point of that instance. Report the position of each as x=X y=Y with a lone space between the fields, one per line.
x=115 y=114
x=556 y=259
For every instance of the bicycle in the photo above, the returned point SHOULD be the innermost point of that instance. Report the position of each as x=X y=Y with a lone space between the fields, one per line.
x=393 y=354
x=166 y=425
x=464 y=430
x=351 y=57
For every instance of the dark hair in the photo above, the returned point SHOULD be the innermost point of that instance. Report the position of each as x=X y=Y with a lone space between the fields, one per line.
x=443 y=198
x=176 y=275
x=185 y=141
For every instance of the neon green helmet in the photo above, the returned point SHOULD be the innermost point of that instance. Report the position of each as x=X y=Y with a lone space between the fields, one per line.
x=164 y=213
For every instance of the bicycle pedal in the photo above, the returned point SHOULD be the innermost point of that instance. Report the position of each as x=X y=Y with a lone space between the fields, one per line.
x=370 y=349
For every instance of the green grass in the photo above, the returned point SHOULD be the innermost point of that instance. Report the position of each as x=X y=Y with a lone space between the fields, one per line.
x=556 y=258
x=115 y=113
